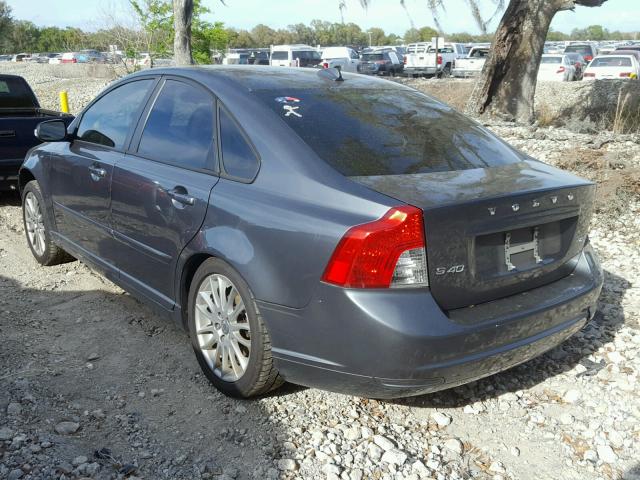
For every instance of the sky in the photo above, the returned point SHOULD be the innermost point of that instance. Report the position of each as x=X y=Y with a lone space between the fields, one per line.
x=621 y=15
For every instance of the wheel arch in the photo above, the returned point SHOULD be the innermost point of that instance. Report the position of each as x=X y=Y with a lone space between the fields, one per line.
x=25 y=176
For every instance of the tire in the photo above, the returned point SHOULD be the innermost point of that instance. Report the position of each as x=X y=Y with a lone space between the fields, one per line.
x=212 y=341
x=37 y=228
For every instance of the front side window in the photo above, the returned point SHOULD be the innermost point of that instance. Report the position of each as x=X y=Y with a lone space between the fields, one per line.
x=108 y=121
x=238 y=157
x=180 y=128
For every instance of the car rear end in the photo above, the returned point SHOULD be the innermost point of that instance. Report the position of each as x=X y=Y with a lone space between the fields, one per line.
x=553 y=68
x=373 y=63
x=612 y=67
x=421 y=60
x=481 y=263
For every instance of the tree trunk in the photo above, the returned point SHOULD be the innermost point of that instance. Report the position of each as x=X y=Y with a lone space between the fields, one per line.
x=182 y=15
x=507 y=85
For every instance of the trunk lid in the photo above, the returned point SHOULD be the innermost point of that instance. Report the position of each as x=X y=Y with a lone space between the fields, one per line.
x=495 y=232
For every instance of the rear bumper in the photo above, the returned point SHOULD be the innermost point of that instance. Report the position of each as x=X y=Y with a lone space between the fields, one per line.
x=421 y=70
x=389 y=344
x=9 y=174
x=462 y=73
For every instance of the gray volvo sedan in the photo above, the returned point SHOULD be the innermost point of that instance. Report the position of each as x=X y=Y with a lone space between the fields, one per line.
x=340 y=232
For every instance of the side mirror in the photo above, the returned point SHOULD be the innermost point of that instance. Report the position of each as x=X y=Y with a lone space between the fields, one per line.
x=51 y=131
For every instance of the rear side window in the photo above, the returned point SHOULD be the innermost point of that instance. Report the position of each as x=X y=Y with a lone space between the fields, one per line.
x=108 y=121
x=372 y=57
x=386 y=131
x=14 y=93
x=180 y=128
x=238 y=157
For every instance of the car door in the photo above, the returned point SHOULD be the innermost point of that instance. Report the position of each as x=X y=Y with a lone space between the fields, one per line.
x=81 y=170
x=160 y=189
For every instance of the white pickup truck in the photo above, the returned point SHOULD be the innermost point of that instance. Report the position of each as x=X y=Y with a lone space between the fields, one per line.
x=421 y=58
x=344 y=57
x=472 y=65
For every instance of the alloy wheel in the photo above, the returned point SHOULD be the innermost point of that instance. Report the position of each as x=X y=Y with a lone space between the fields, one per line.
x=222 y=327
x=35 y=223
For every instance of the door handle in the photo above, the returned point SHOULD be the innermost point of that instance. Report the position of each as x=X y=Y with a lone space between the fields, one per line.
x=97 y=172
x=181 y=197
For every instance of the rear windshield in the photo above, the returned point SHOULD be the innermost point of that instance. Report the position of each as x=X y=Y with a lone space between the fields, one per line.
x=14 y=93
x=372 y=57
x=611 y=61
x=306 y=54
x=280 y=56
x=581 y=49
x=395 y=131
x=551 y=60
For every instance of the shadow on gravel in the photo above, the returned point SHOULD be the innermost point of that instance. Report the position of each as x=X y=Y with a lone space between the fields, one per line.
x=127 y=378
x=633 y=473
x=565 y=357
x=11 y=199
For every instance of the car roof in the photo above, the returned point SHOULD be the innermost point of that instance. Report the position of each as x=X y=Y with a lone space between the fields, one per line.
x=248 y=78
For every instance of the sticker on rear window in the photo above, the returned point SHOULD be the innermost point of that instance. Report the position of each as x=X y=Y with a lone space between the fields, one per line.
x=291 y=110
x=287 y=100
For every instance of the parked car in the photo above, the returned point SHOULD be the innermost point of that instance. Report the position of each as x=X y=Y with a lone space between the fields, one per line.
x=587 y=50
x=234 y=58
x=366 y=239
x=578 y=62
x=380 y=63
x=344 y=57
x=72 y=57
x=635 y=47
x=93 y=56
x=472 y=65
x=421 y=58
x=295 y=56
x=607 y=67
x=556 y=68
x=258 y=58
x=21 y=57
x=20 y=113
x=5 y=58
x=635 y=53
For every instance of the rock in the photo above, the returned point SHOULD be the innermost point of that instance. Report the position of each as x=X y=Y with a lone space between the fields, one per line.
x=331 y=469
x=352 y=434
x=515 y=451
x=590 y=456
x=287 y=464
x=375 y=452
x=394 y=457
x=454 y=445
x=79 y=460
x=606 y=454
x=241 y=409
x=15 y=474
x=572 y=396
x=420 y=469
x=442 y=419
x=322 y=457
x=566 y=419
x=67 y=428
x=14 y=409
x=356 y=474
x=383 y=442
x=497 y=467
x=5 y=434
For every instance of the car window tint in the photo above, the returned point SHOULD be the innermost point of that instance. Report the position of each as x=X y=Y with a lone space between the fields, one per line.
x=179 y=129
x=609 y=61
x=238 y=157
x=386 y=131
x=14 y=93
x=280 y=55
x=108 y=121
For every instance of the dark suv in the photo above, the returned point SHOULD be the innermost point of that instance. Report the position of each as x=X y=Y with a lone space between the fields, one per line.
x=381 y=63
x=335 y=231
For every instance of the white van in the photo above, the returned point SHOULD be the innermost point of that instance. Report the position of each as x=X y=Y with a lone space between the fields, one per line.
x=295 y=56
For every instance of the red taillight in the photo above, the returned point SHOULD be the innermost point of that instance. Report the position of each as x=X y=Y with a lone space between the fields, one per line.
x=626 y=74
x=561 y=70
x=439 y=59
x=325 y=65
x=588 y=58
x=590 y=75
x=369 y=255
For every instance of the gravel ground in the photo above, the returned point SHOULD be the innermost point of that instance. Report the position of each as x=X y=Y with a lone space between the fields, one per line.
x=93 y=385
